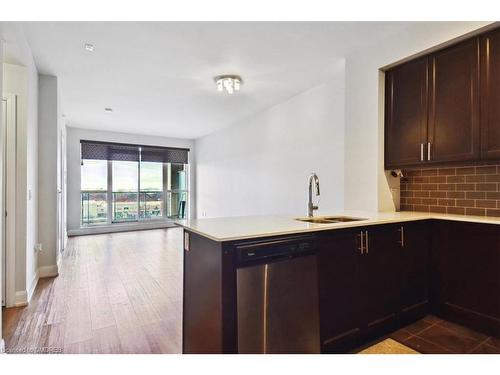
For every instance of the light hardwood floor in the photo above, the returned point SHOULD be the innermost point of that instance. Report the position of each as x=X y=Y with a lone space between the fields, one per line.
x=116 y=293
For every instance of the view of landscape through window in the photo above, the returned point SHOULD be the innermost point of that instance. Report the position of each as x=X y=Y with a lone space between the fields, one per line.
x=94 y=182
x=139 y=191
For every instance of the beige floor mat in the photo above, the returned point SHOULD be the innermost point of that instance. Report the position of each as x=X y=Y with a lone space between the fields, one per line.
x=388 y=346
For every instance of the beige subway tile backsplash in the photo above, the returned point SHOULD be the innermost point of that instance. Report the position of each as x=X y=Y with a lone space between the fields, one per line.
x=460 y=190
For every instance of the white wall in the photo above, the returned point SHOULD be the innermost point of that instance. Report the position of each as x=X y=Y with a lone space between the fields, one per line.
x=261 y=165
x=49 y=117
x=366 y=186
x=73 y=137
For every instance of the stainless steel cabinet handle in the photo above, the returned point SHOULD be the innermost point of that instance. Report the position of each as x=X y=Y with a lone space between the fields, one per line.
x=361 y=244
x=402 y=231
x=428 y=150
x=366 y=241
x=421 y=152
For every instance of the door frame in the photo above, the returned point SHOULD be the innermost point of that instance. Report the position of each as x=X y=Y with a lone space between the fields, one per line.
x=8 y=196
x=61 y=198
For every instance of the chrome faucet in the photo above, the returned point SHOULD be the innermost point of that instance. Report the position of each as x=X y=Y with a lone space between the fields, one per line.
x=310 y=206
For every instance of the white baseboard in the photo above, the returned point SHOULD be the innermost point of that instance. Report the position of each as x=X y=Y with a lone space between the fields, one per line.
x=32 y=287
x=2 y=346
x=21 y=299
x=121 y=227
x=48 y=271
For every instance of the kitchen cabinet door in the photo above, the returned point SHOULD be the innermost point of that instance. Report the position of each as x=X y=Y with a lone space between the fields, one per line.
x=378 y=278
x=338 y=256
x=413 y=284
x=490 y=95
x=466 y=274
x=454 y=103
x=406 y=95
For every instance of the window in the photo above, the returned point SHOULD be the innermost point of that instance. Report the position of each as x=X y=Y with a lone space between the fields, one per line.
x=151 y=197
x=94 y=191
x=125 y=179
x=145 y=183
x=176 y=191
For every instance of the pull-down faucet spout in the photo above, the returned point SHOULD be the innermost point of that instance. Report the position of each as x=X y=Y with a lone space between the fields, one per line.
x=310 y=206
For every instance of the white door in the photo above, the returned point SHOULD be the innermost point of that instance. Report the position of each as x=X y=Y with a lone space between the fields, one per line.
x=3 y=134
x=61 y=235
x=8 y=197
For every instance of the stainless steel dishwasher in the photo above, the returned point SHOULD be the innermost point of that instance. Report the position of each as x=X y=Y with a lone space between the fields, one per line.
x=277 y=296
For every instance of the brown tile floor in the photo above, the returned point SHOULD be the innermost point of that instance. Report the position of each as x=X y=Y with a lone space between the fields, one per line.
x=432 y=335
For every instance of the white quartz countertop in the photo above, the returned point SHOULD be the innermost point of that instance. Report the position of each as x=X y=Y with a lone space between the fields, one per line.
x=243 y=227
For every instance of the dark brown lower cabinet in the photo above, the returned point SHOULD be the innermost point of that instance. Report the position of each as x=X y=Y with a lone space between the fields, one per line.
x=413 y=270
x=465 y=271
x=370 y=279
x=378 y=280
x=339 y=302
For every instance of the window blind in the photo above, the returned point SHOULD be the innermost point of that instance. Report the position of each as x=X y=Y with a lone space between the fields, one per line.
x=127 y=152
x=164 y=154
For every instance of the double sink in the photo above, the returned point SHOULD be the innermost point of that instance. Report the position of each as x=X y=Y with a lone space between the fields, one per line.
x=329 y=219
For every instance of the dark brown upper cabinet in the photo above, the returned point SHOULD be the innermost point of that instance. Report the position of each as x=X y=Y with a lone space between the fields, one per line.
x=453 y=127
x=490 y=95
x=406 y=93
x=442 y=108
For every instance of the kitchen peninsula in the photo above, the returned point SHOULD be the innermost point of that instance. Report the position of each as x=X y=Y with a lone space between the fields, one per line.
x=274 y=284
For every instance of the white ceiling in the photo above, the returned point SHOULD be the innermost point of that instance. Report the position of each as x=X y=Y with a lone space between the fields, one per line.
x=158 y=76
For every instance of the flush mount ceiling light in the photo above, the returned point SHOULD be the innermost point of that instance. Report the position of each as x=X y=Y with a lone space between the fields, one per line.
x=229 y=83
x=107 y=109
x=89 y=47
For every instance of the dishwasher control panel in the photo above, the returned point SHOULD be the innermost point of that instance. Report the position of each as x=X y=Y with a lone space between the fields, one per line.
x=274 y=249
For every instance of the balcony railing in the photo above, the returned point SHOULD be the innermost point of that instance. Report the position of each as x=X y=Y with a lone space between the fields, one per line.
x=145 y=205
x=151 y=204
x=131 y=206
x=94 y=207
